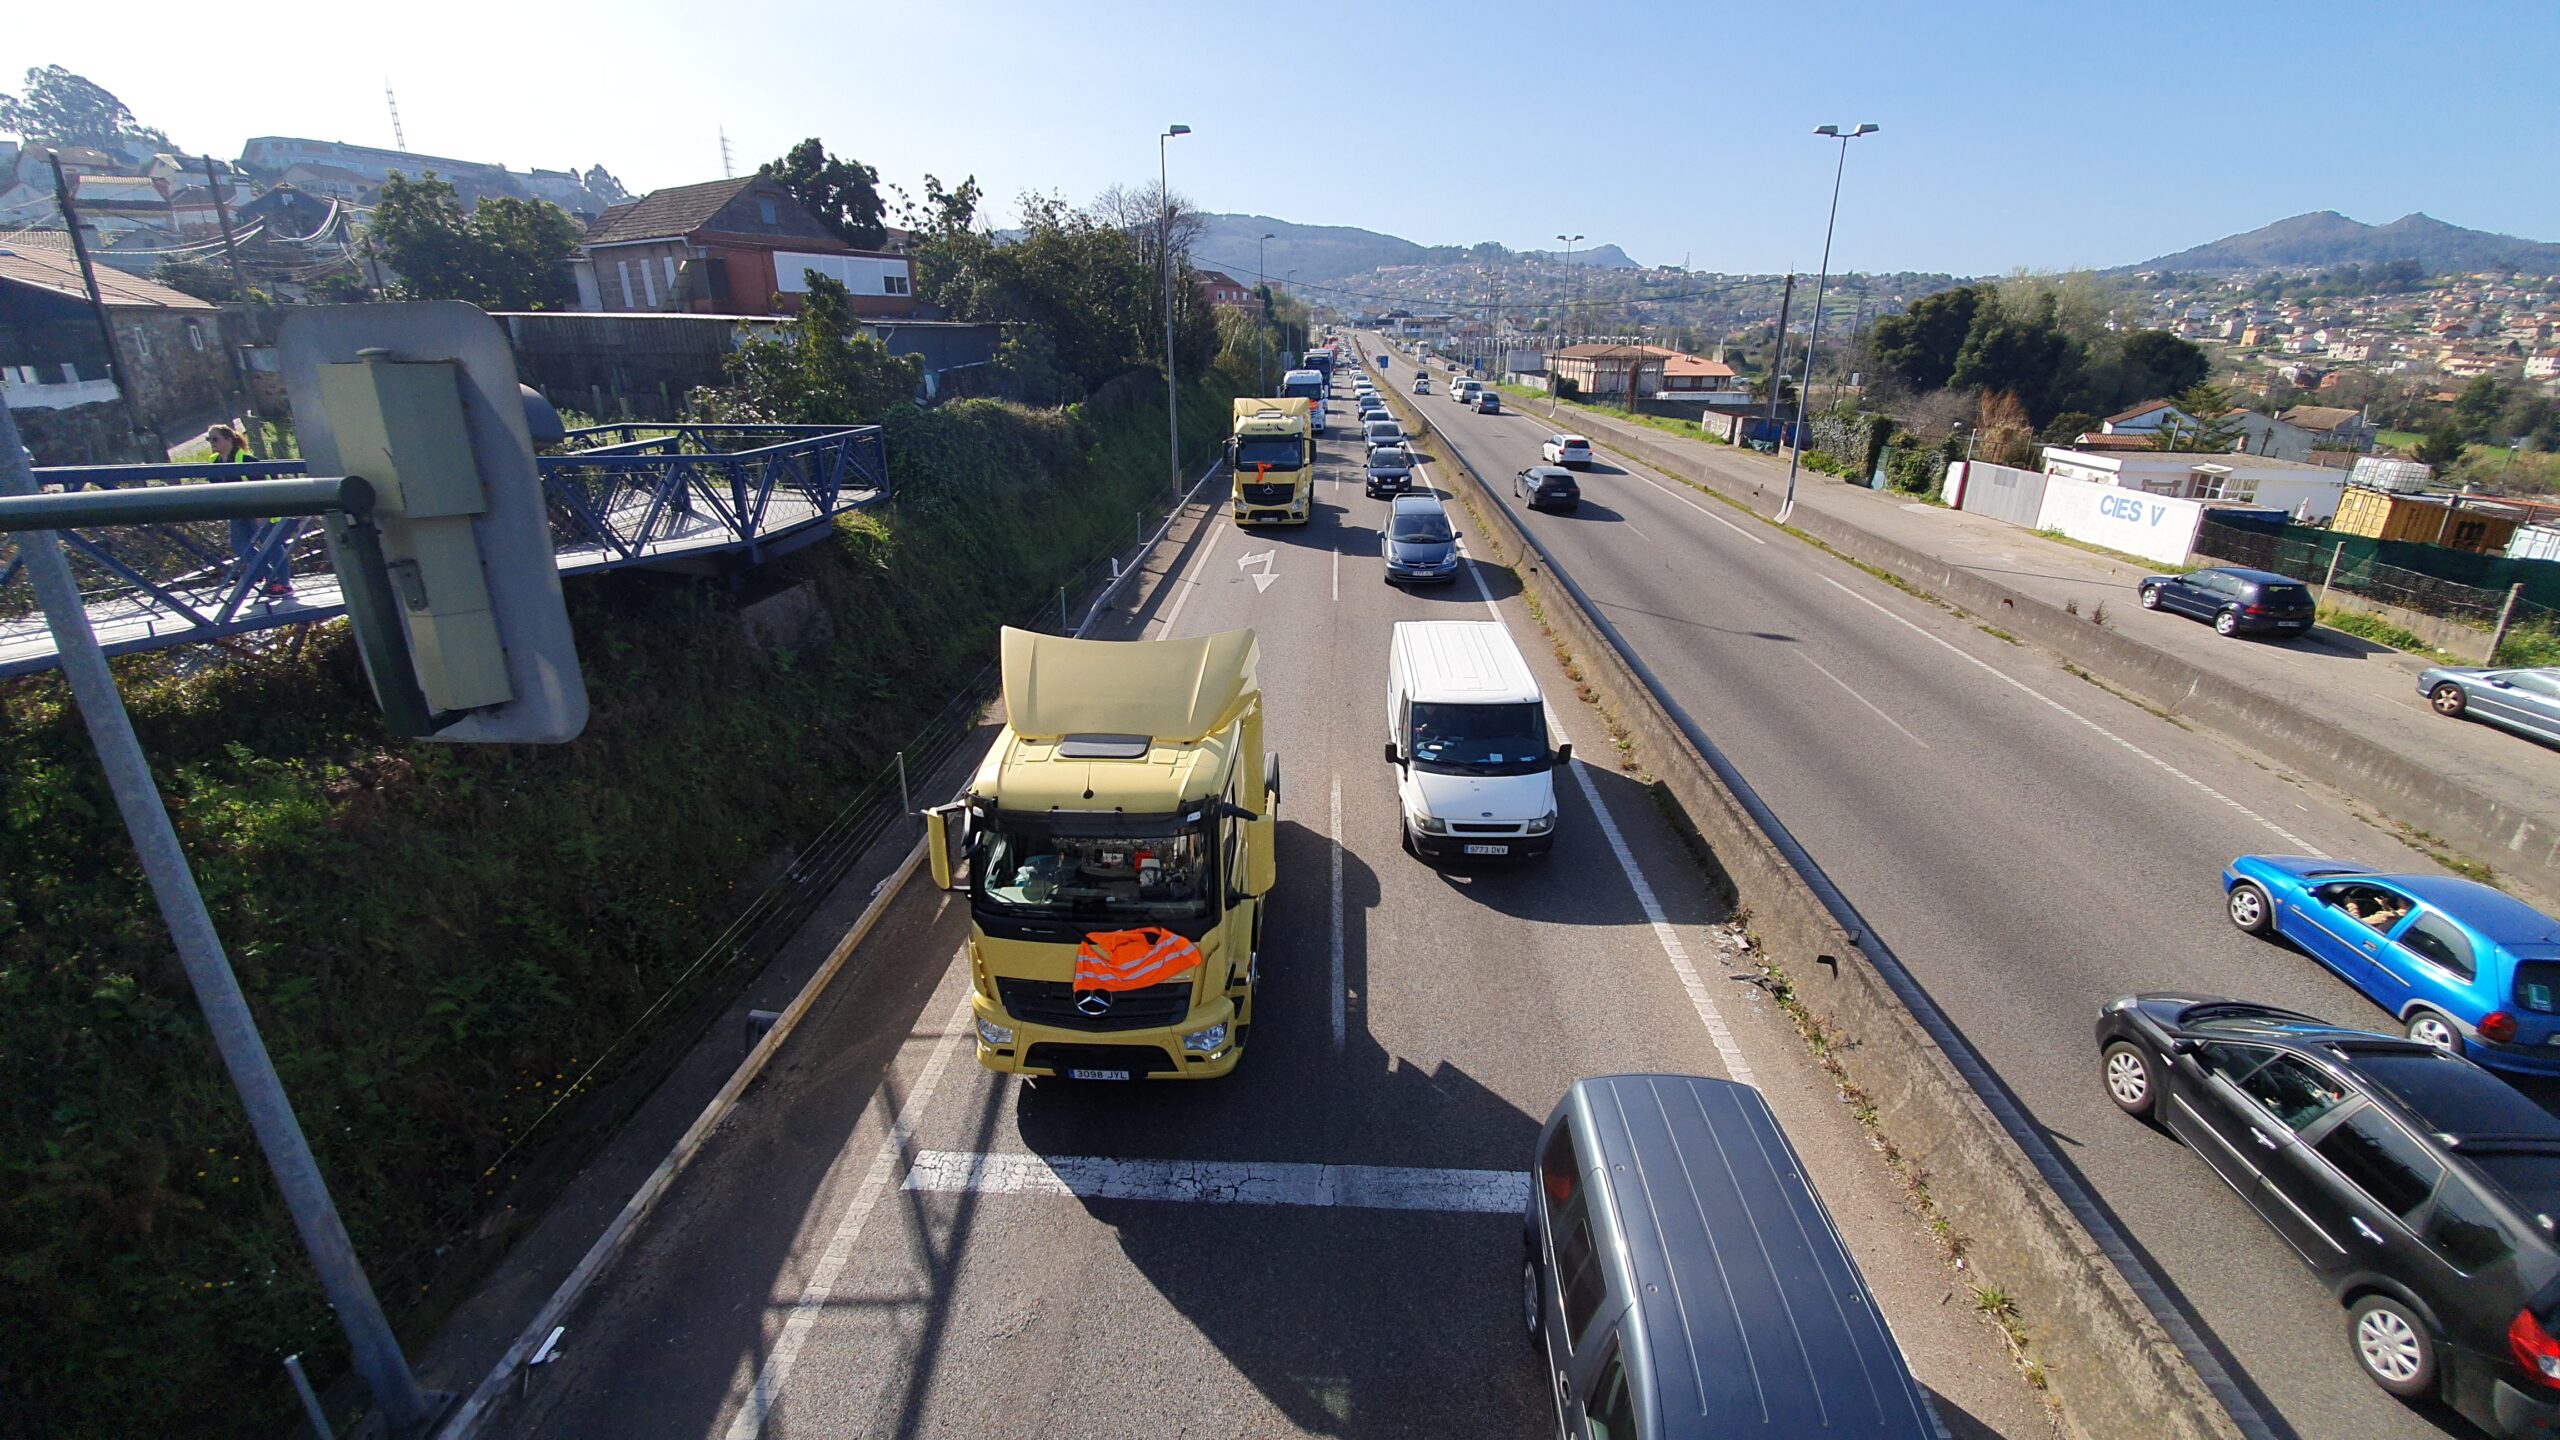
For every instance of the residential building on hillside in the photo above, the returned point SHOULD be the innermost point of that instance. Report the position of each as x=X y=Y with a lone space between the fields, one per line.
x=1686 y=377
x=2147 y=418
x=2270 y=436
x=2544 y=366
x=714 y=247
x=2306 y=492
x=1219 y=288
x=2332 y=427
x=53 y=364
x=356 y=172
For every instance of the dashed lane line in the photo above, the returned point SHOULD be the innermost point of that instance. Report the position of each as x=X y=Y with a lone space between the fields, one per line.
x=1863 y=700
x=1223 y=1182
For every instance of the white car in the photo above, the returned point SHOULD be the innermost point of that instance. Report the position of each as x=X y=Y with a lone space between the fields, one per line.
x=1464 y=391
x=1570 y=451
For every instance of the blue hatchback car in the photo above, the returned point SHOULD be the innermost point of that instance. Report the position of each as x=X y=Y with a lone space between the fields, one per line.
x=2459 y=965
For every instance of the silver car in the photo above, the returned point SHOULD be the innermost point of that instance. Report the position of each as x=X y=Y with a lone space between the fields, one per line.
x=2525 y=701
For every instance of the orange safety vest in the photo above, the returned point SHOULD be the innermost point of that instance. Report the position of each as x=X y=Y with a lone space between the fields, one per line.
x=1132 y=959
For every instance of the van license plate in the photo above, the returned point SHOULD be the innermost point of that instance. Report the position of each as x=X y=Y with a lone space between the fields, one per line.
x=1488 y=849
x=1097 y=1074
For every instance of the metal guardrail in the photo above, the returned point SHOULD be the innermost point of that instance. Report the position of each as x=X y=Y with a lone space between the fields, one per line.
x=618 y=495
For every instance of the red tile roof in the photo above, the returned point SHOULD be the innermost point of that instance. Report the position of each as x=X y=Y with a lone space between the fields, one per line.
x=58 y=272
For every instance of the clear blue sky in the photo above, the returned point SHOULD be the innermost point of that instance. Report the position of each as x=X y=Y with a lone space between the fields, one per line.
x=2015 y=134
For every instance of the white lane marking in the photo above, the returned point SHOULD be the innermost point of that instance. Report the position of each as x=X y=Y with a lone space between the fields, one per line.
x=1863 y=700
x=1266 y=559
x=2300 y=845
x=1701 y=509
x=1224 y=1182
x=819 y=1292
x=1735 y=1067
x=1630 y=524
x=1191 y=581
x=1338 y=971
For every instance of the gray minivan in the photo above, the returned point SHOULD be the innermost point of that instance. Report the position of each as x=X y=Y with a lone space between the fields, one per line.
x=1682 y=1280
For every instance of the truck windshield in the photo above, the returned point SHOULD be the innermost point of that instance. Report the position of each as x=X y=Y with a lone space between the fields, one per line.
x=1509 y=739
x=1303 y=390
x=1028 y=872
x=1278 y=452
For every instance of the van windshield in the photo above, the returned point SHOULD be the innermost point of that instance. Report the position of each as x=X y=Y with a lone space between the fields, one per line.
x=1425 y=527
x=1508 y=739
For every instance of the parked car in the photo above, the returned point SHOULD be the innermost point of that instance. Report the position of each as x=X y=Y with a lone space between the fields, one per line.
x=1571 y=451
x=1419 y=543
x=1390 y=470
x=2233 y=601
x=1488 y=400
x=1382 y=432
x=1546 y=487
x=1669 y=1230
x=2525 y=701
x=2419 y=1187
x=2465 y=968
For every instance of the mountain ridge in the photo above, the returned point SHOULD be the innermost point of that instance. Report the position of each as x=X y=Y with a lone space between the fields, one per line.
x=2323 y=238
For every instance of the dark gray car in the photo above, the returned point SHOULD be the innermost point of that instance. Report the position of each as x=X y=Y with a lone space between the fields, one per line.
x=2526 y=701
x=2233 y=601
x=1670 y=1238
x=1419 y=543
x=1390 y=470
x=1547 y=487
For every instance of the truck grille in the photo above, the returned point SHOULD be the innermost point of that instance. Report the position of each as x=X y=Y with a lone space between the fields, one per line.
x=1053 y=1003
x=1267 y=494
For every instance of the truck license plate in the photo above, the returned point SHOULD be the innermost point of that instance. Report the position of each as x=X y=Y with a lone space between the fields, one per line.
x=1488 y=849
x=1097 y=1074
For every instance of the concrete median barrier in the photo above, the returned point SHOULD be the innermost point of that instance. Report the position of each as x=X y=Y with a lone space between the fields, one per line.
x=2117 y=1354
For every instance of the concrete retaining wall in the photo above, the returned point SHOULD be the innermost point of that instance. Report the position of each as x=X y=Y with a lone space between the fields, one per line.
x=2518 y=844
x=2090 y=1309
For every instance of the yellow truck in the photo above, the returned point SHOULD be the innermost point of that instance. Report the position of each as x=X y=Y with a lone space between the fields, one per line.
x=1120 y=843
x=1273 y=452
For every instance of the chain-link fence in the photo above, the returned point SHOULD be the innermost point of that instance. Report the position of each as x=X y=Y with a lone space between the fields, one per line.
x=2531 y=633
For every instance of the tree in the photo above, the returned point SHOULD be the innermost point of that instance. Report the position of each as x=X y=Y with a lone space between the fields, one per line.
x=2441 y=446
x=2027 y=355
x=2213 y=429
x=2477 y=408
x=843 y=194
x=2068 y=426
x=822 y=370
x=1920 y=345
x=600 y=181
x=507 y=255
x=2155 y=362
x=61 y=106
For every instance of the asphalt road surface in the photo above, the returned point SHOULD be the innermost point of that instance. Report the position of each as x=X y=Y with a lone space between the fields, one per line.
x=869 y=1246
x=2030 y=845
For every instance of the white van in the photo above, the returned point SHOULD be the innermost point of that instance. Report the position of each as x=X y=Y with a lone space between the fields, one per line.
x=1467 y=733
x=1464 y=391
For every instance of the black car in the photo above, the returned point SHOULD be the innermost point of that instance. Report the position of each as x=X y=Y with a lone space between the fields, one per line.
x=2418 y=1186
x=2234 y=601
x=1547 y=487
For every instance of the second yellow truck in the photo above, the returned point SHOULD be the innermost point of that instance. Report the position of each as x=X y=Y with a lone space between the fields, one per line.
x=1273 y=452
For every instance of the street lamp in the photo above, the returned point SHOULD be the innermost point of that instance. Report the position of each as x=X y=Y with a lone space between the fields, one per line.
x=1813 y=337
x=1261 y=326
x=1164 y=256
x=1569 y=242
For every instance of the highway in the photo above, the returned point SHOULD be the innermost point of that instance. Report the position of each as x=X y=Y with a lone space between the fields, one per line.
x=862 y=1249
x=2031 y=846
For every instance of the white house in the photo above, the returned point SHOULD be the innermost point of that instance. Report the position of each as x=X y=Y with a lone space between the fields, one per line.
x=2147 y=418
x=2270 y=437
x=2306 y=492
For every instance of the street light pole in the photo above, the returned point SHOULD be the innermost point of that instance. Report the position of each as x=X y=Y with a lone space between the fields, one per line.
x=1813 y=337
x=1262 y=326
x=1164 y=257
x=1573 y=280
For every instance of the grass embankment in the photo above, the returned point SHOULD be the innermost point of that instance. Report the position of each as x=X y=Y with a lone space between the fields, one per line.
x=1685 y=429
x=436 y=938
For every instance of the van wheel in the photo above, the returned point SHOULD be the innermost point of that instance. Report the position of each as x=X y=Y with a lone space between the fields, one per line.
x=2393 y=1346
x=1533 y=1302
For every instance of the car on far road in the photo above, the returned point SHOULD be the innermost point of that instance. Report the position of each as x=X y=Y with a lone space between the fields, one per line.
x=1390 y=471
x=1419 y=543
x=2417 y=1186
x=1546 y=487
x=2465 y=968
x=2525 y=701
x=1488 y=400
x=1571 y=451
x=1382 y=432
x=2233 y=601
x=1421 y=384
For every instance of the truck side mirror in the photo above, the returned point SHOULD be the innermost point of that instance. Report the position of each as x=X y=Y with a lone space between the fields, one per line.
x=1393 y=756
x=1564 y=753
x=946 y=840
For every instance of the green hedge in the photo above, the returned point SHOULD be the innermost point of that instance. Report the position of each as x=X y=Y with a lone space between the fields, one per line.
x=437 y=938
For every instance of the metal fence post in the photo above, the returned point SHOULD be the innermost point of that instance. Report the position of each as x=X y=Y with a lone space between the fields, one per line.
x=2506 y=614
x=311 y=1410
x=906 y=802
x=2331 y=578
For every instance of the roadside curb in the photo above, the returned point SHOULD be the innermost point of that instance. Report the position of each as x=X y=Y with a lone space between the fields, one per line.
x=2118 y=1354
x=2520 y=845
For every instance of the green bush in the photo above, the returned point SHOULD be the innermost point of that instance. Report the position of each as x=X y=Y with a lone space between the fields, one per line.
x=2529 y=645
x=1824 y=461
x=437 y=939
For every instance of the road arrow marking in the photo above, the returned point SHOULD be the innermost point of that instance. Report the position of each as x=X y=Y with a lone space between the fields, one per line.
x=1262 y=581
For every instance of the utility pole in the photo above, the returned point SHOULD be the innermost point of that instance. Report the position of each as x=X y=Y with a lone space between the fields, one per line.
x=239 y=286
x=1164 y=255
x=728 y=170
x=1778 y=362
x=116 y=372
x=399 y=137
